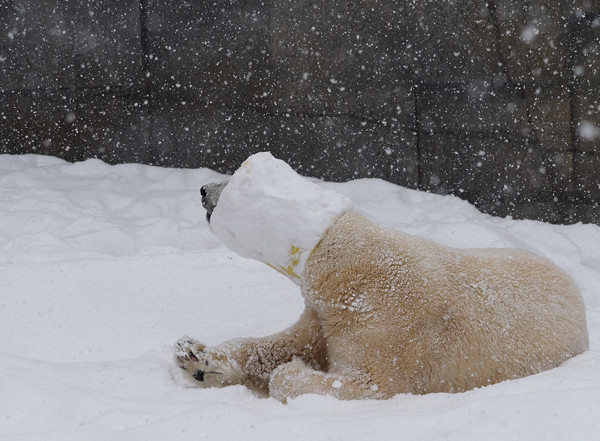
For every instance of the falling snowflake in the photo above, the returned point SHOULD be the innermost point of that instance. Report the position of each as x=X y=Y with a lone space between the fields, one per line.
x=588 y=131
x=529 y=33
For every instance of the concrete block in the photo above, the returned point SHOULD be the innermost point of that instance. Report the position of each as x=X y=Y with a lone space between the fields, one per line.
x=586 y=117
x=549 y=210
x=69 y=43
x=344 y=148
x=341 y=58
x=216 y=52
x=533 y=38
x=549 y=107
x=583 y=7
x=584 y=54
x=494 y=174
x=588 y=213
x=189 y=134
x=587 y=176
x=453 y=42
x=477 y=107
x=76 y=125
x=585 y=62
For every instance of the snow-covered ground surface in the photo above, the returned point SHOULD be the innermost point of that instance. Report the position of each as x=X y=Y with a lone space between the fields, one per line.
x=103 y=267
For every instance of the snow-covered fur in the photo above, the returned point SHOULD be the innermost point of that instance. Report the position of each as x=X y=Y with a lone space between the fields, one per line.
x=389 y=313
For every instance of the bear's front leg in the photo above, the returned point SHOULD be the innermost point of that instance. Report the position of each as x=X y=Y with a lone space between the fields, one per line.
x=251 y=361
x=208 y=366
x=293 y=379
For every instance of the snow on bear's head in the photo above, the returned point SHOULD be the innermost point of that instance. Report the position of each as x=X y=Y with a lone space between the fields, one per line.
x=269 y=213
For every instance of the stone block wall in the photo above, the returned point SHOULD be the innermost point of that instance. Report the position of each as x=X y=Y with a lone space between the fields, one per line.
x=495 y=101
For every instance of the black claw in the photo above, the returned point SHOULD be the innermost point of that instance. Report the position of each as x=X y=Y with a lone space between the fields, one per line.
x=199 y=375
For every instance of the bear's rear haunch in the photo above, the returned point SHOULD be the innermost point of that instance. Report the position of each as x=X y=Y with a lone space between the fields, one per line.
x=386 y=312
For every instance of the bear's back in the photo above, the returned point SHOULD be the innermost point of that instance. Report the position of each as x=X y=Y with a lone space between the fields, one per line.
x=421 y=317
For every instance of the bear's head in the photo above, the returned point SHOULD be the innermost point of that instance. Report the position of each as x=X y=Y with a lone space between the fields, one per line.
x=210 y=196
x=267 y=212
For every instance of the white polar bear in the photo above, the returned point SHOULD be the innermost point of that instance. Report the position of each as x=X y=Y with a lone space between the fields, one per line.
x=386 y=312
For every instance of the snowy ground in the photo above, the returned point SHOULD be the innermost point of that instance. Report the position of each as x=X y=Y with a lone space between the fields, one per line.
x=103 y=267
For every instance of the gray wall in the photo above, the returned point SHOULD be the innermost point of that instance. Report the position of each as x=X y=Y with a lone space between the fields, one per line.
x=495 y=101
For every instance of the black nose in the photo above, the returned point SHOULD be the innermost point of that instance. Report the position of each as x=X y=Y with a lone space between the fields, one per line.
x=203 y=191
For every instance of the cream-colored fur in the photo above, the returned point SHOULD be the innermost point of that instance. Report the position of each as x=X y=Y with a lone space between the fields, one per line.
x=389 y=313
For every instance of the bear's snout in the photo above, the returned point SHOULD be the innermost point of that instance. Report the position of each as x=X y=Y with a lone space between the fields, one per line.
x=206 y=206
x=210 y=196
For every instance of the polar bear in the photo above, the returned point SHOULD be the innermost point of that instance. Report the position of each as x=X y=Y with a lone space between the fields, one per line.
x=386 y=312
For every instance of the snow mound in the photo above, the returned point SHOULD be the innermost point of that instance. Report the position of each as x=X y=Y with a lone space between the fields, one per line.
x=104 y=267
